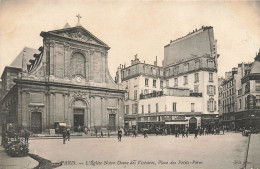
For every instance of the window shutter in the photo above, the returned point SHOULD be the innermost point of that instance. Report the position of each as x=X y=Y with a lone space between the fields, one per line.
x=215 y=105
x=208 y=105
x=214 y=90
x=207 y=89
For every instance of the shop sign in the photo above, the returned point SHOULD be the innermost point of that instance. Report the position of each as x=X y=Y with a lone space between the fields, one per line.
x=178 y=117
x=251 y=102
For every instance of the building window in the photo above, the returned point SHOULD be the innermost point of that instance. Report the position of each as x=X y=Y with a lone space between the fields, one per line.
x=211 y=90
x=245 y=103
x=174 y=107
x=154 y=83
x=161 y=84
x=210 y=77
x=157 y=107
x=196 y=89
x=78 y=65
x=149 y=108
x=167 y=83
x=146 y=82
x=192 y=107
x=175 y=82
x=239 y=91
x=126 y=95
x=247 y=87
x=176 y=70
x=127 y=109
x=146 y=91
x=142 y=109
x=210 y=63
x=135 y=108
x=196 y=77
x=257 y=101
x=135 y=94
x=257 y=88
x=197 y=64
x=185 y=80
x=186 y=67
x=212 y=105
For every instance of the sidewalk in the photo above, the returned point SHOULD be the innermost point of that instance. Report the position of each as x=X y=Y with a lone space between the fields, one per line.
x=7 y=162
x=253 y=159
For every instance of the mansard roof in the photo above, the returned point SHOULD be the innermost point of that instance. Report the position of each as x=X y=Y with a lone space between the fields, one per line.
x=255 y=69
x=77 y=33
x=26 y=54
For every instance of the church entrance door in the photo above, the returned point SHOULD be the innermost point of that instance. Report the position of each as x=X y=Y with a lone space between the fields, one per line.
x=112 y=121
x=192 y=124
x=78 y=120
x=36 y=122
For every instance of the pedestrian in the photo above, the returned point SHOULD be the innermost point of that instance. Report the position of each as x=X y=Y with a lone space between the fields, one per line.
x=145 y=133
x=96 y=132
x=176 y=133
x=68 y=134
x=223 y=130
x=119 y=134
x=134 y=133
x=183 y=133
x=196 y=133
x=101 y=133
x=187 y=132
x=26 y=136
x=79 y=129
x=64 y=133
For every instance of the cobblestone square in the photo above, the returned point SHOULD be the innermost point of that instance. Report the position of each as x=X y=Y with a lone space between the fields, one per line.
x=209 y=151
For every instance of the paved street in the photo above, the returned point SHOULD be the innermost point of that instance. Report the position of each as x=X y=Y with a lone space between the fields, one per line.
x=211 y=151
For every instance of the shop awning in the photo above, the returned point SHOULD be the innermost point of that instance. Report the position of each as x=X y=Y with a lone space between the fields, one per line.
x=62 y=124
x=176 y=122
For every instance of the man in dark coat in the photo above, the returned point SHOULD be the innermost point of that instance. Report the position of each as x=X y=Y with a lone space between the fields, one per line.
x=68 y=134
x=119 y=134
x=64 y=134
x=196 y=133
x=183 y=133
x=26 y=136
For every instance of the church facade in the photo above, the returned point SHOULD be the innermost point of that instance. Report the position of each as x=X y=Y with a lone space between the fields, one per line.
x=66 y=81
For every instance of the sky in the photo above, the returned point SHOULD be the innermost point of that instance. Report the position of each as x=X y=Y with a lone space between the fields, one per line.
x=134 y=27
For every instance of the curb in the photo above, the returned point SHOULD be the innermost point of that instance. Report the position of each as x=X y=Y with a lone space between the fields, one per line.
x=44 y=163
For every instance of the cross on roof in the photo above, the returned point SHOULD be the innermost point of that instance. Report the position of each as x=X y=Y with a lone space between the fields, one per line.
x=78 y=16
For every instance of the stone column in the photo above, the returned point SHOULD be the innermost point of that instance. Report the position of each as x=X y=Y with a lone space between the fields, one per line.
x=52 y=109
x=28 y=121
x=47 y=108
x=92 y=104
x=66 y=60
x=91 y=52
x=52 y=53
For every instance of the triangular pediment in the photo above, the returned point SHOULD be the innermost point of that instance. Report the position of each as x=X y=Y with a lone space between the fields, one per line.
x=79 y=33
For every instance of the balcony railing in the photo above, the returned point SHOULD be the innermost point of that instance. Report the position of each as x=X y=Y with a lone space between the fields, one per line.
x=150 y=95
x=196 y=94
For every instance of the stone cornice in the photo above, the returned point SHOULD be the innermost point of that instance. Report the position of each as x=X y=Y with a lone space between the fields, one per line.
x=73 y=86
x=48 y=34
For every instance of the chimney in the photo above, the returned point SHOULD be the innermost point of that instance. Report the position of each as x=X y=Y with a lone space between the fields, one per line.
x=155 y=62
x=118 y=75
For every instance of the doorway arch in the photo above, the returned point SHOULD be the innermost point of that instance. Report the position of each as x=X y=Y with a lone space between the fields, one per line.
x=80 y=118
x=192 y=124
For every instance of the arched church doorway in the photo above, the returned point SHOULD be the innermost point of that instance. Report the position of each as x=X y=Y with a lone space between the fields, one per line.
x=192 y=124
x=36 y=122
x=78 y=116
